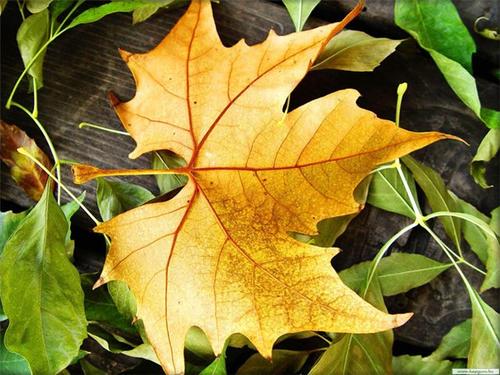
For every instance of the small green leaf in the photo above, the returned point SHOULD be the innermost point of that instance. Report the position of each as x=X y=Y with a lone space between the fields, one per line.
x=397 y=273
x=484 y=246
x=284 y=362
x=144 y=350
x=58 y=7
x=114 y=197
x=9 y=222
x=100 y=307
x=12 y=363
x=143 y=13
x=360 y=354
x=36 y=6
x=123 y=299
x=485 y=343
x=69 y=209
x=31 y=36
x=96 y=13
x=437 y=26
x=90 y=369
x=437 y=195
x=495 y=221
x=300 y=10
x=355 y=51
x=217 y=367
x=3 y=3
x=387 y=192
x=486 y=151
x=167 y=160
x=35 y=259
x=416 y=365
x=455 y=344
x=438 y=29
x=197 y=343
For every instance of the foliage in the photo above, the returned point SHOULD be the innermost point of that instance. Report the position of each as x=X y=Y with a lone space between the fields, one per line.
x=437 y=28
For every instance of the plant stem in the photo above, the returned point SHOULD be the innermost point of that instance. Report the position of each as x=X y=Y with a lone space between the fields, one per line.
x=35 y=99
x=103 y=128
x=51 y=147
x=27 y=68
x=479 y=223
x=49 y=173
x=60 y=30
x=375 y=262
x=21 y=9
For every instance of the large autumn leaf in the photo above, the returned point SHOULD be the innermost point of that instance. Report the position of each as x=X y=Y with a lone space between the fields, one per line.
x=219 y=255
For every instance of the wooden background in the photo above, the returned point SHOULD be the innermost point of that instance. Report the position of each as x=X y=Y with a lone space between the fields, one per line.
x=83 y=65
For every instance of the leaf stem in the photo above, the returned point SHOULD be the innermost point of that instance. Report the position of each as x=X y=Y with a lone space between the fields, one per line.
x=479 y=223
x=375 y=262
x=26 y=69
x=35 y=99
x=25 y=152
x=84 y=124
x=51 y=147
x=60 y=30
x=21 y=9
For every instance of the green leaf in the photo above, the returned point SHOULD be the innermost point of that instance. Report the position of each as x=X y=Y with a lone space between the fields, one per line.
x=144 y=350
x=143 y=13
x=284 y=362
x=416 y=365
x=58 y=7
x=300 y=10
x=114 y=197
x=36 y=6
x=438 y=29
x=3 y=3
x=99 y=307
x=495 y=221
x=355 y=51
x=12 y=363
x=360 y=354
x=31 y=36
x=437 y=195
x=90 y=369
x=197 y=343
x=397 y=273
x=483 y=245
x=387 y=192
x=485 y=343
x=123 y=299
x=35 y=258
x=69 y=209
x=486 y=151
x=217 y=367
x=96 y=13
x=168 y=160
x=9 y=222
x=455 y=344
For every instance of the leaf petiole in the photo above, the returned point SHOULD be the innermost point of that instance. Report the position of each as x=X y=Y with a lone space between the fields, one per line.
x=25 y=152
x=479 y=223
x=103 y=128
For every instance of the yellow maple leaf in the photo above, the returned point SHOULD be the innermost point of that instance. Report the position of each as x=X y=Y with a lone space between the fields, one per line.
x=219 y=255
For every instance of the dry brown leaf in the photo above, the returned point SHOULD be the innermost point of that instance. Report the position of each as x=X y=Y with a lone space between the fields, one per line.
x=219 y=255
x=23 y=170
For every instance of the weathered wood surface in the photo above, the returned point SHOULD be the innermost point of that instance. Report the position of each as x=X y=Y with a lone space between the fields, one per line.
x=83 y=65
